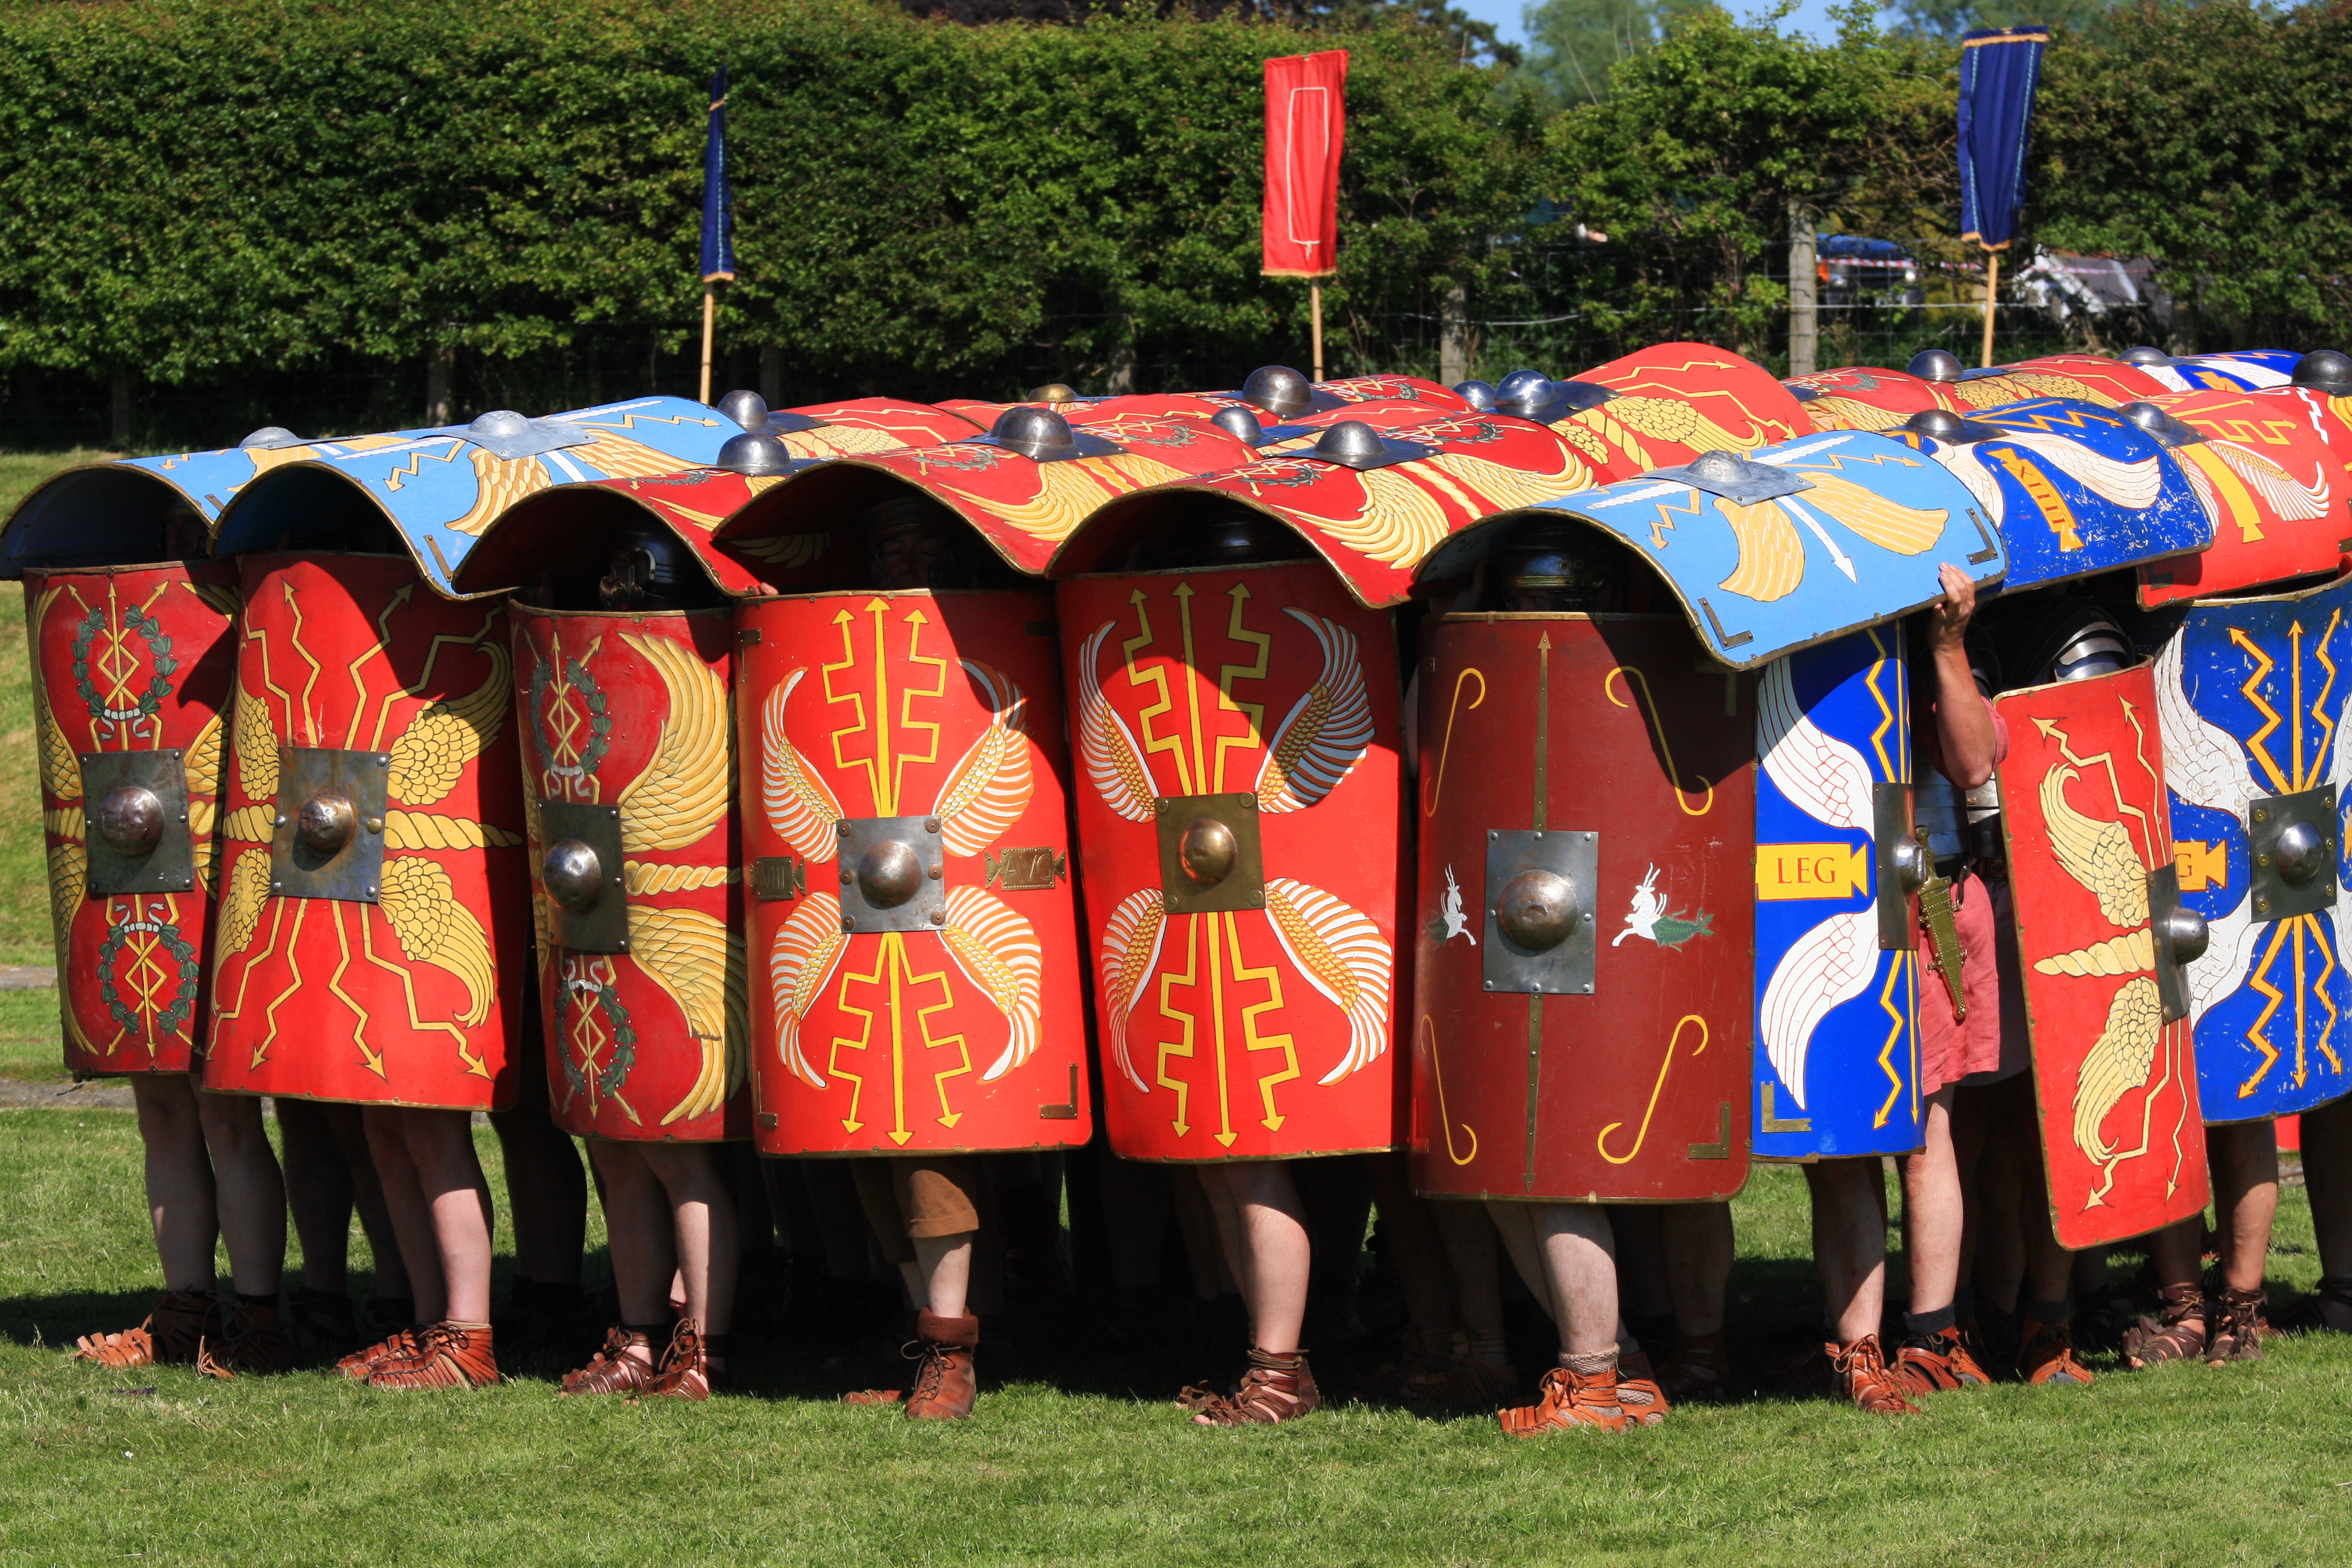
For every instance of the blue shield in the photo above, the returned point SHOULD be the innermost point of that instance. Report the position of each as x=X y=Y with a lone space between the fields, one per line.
x=441 y=488
x=2251 y=701
x=1837 y=1049
x=104 y=514
x=2075 y=489
x=2250 y=370
x=1850 y=534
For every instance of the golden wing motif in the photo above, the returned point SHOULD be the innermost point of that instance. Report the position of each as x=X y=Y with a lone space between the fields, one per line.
x=1672 y=419
x=2098 y=855
x=617 y=457
x=250 y=824
x=998 y=950
x=1889 y=524
x=69 y=885
x=2044 y=384
x=2118 y=1063
x=257 y=748
x=785 y=551
x=1992 y=391
x=222 y=598
x=839 y=441
x=1325 y=735
x=201 y=763
x=500 y=482
x=1504 y=487
x=60 y=768
x=433 y=928
x=1850 y=414
x=425 y=830
x=1109 y=753
x=989 y=787
x=1343 y=956
x=431 y=754
x=807 y=950
x=1065 y=497
x=692 y=957
x=2131 y=954
x=1400 y=523
x=1130 y=951
x=241 y=902
x=800 y=808
x=682 y=794
x=1771 y=555
x=2295 y=500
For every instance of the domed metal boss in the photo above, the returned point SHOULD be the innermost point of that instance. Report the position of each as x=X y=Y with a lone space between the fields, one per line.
x=1536 y=909
x=1279 y=390
x=889 y=873
x=1038 y=433
x=1207 y=851
x=573 y=874
x=1936 y=364
x=327 y=822
x=130 y=820
x=2300 y=854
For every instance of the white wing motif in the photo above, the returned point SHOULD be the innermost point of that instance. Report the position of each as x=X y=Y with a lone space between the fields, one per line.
x=2204 y=765
x=1106 y=748
x=1325 y=735
x=1962 y=462
x=2136 y=486
x=800 y=806
x=1823 y=776
x=2339 y=774
x=998 y=950
x=1344 y=956
x=1130 y=952
x=807 y=950
x=1827 y=967
x=990 y=788
x=2294 y=500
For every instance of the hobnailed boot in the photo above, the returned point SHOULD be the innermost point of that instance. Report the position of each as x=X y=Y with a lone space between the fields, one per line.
x=394 y=1346
x=172 y=1334
x=1936 y=1362
x=2239 y=1335
x=252 y=1339
x=1277 y=1388
x=1584 y=1394
x=1863 y=1377
x=687 y=1365
x=2045 y=1354
x=448 y=1355
x=1698 y=1368
x=613 y=1370
x=2176 y=1334
x=321 y=1322
x=945 y=1383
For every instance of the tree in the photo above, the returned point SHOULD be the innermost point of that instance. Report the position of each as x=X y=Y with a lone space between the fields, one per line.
x=1575 y=44
x=1949 y=18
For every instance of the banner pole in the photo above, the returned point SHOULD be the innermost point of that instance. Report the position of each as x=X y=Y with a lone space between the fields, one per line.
x=1993 y=286
x=1315 y=306
x=710 y=317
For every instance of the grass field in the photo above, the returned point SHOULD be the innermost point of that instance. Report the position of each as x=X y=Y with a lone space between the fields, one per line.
x=1078 y=1460
x=1086 y=1462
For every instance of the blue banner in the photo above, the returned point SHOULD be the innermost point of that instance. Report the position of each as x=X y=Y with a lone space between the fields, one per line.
x=1999 y=68
x=718 y=209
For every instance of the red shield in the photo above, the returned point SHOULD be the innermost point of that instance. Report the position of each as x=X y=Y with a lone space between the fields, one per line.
x=1260 y=699
x=1860 y=397
x=867 y=424
x=2083 y=807
x=2275 y=492
x=131 y=659
x=631 y=711
x=902 y=758
x=405 y=993
x=1676 y=401
x=1635 y=1091
x=2108 y=382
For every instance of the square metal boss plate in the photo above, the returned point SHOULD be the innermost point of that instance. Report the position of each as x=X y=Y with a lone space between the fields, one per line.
x=1561 y=967
x=2291 y=839
x=589 y=911
x=156 y=786
x=892 y=871
x=1210 y=855
x=348 y=787
x=2163 y=901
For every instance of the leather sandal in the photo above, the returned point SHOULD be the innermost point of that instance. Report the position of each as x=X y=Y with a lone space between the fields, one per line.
x=321 y=1322
x=1466 y=1378
x=1864 y=1379
x=1572 y=1397
x=2177 y=1333
x=613 y=1370
x=395 y=1346
x=1699 y=1367
x=2310 y=1314
x=1420 y=1352
x=171 y=1334
x=2045 y=1355
x=945 y=1382
x=252 y=1339
x=1276 y=1389
x=1639 y=1394
x=2238 y=1337
x=687 y=1372
x=1937 y=1363
x=448 y=1355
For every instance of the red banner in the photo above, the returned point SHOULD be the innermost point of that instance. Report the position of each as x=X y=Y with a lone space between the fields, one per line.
x=1306 y=116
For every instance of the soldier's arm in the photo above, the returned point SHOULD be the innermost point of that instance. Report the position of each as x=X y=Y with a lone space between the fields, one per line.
x=1964 y=719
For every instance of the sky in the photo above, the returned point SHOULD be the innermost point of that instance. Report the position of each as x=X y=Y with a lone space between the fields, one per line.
x=1811 y=17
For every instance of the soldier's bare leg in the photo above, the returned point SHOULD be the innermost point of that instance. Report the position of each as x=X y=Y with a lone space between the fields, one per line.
x=1850 y=1244
x=547 y=1192
x=2183 y=1321
x=1469 y=1238
x=250 y=1193
x=1269 y=1244
x=1567 y=1255
x=411 y=1215
x=349 y=1130
x=318 y=1194
x=449 y=1174
x=1931 y=1206
x=2244 y=1159
x=1699 y=1247
x=1410 y=1226
x=1196 y=1222
x=180 y=1196
x=642 y=1239
x=2327 y=1182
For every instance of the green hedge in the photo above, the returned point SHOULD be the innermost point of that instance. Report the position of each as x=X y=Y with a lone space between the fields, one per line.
x=192 y=184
